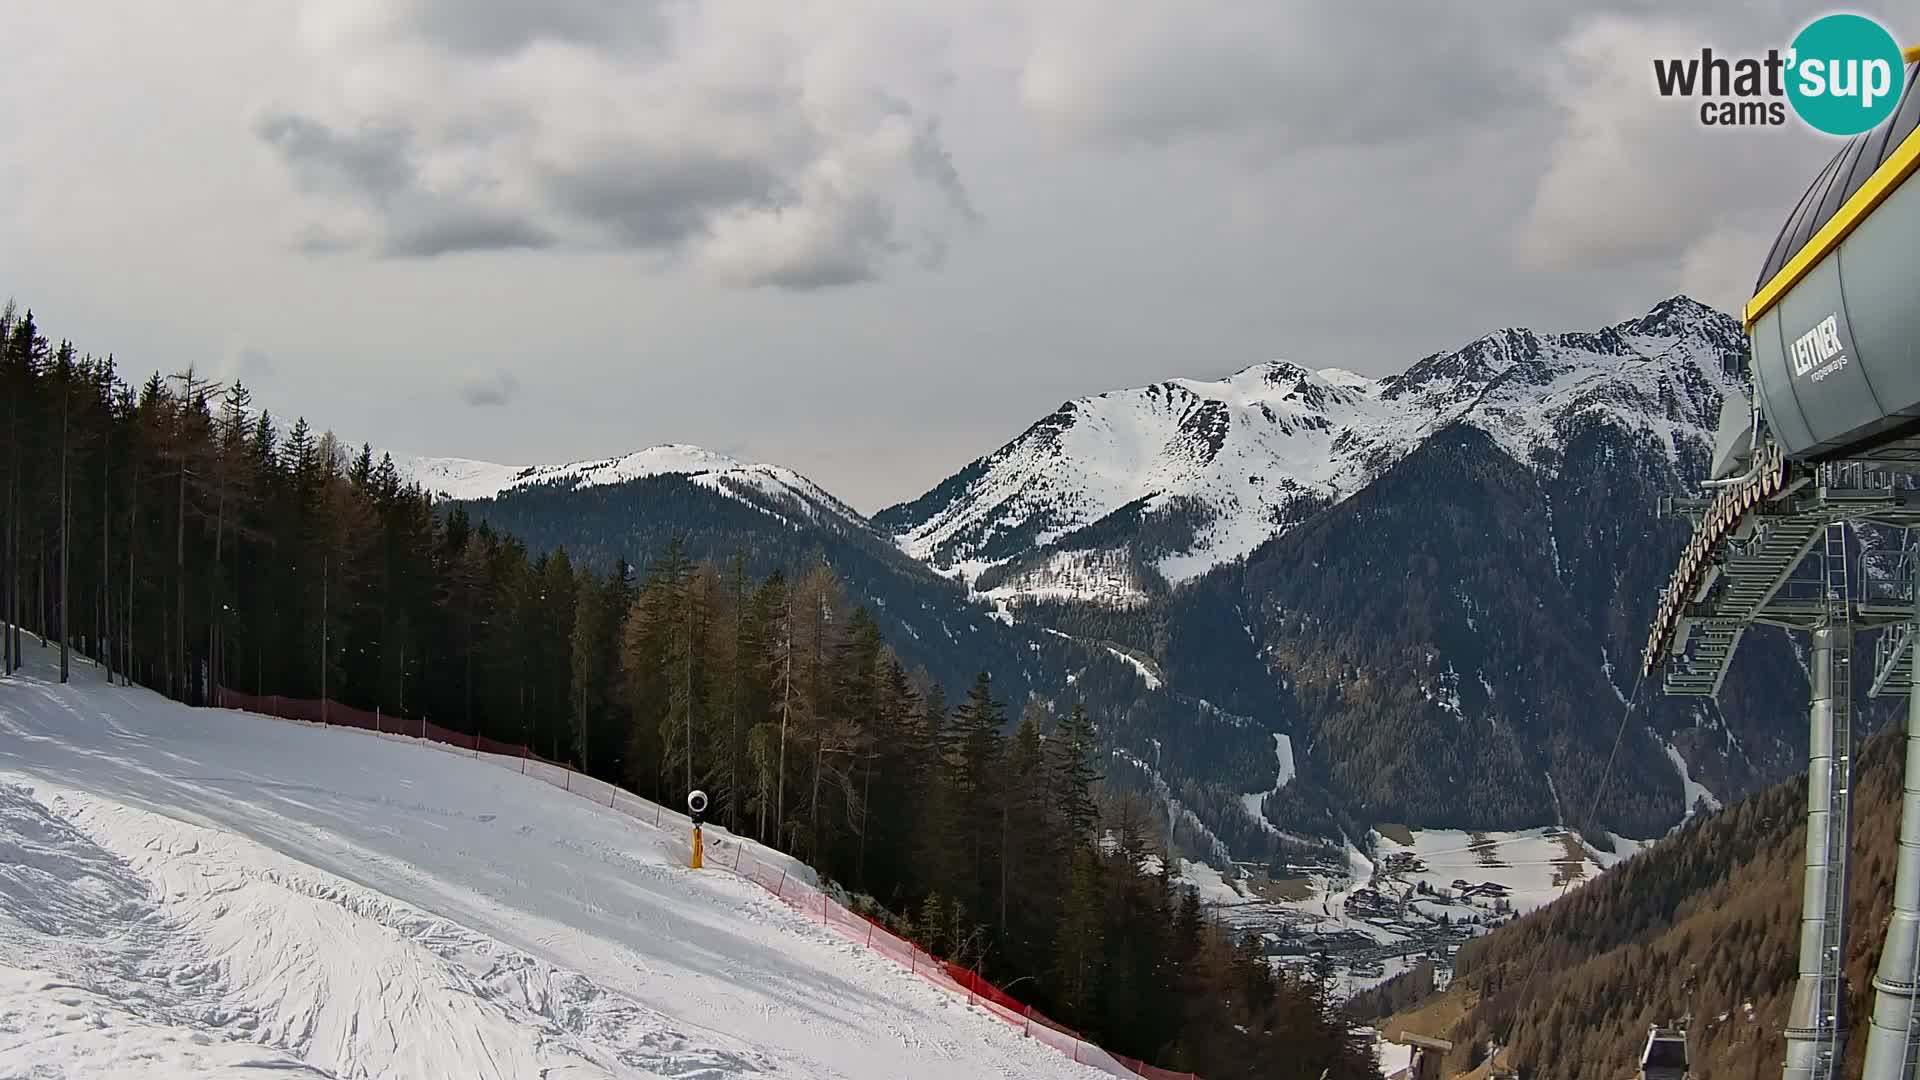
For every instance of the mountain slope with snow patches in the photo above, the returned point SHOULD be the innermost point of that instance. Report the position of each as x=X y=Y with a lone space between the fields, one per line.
x=466 y=479
x=1187 y=474
x=214 y=894
x=1510 y=482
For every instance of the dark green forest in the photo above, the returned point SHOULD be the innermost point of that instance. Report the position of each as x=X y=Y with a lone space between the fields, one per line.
x=186 y=541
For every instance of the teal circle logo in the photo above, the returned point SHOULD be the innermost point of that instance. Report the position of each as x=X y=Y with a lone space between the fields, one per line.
x=1845 y=74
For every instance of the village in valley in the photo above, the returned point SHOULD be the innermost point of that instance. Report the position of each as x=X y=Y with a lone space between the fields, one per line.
x=1415 y=898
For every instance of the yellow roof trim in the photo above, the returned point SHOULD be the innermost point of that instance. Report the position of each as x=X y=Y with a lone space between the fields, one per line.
x=1911 y=56
x=1885 y=180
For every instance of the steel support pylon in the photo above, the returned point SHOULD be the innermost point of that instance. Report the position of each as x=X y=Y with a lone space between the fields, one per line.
x=1891 y=1043
x=1816 y=1028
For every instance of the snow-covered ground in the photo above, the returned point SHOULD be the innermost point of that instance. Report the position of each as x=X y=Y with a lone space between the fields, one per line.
x=1283 y=755
x=219 y=895
x=1393 y=1057
x=1534 y=864
x=1147 y=676
x=1212 y=886
x=1694 y=792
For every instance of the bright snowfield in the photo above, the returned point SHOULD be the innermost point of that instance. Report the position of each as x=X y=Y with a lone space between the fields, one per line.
x=212 y=894
x=1283 y=752
x=1528 y=863
x=1534 y=863
x=1248 y=446
x=1692 y=790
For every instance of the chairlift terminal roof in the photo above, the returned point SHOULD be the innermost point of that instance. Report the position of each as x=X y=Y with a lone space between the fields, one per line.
x=1830 y=199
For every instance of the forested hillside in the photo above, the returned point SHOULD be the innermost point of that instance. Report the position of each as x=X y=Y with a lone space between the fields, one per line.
x=189 y=542
x=1205 y=752
x=1705 y=923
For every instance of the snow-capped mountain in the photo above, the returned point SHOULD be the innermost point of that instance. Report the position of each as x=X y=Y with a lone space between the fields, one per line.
x=1428 y=582
x=1167 y=481
x=465 y=479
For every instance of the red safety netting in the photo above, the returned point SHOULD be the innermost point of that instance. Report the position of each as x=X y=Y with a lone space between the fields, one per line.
x=433 y=732
x=762 y=866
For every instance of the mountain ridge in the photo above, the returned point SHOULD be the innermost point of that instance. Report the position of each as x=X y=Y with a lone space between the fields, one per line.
x=1485 y=379
x=1184 y=475
x=466 y=479
x=1193 y=609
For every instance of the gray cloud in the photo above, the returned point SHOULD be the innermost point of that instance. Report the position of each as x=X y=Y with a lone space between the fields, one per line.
x=1281 y=78
x=499 y=27
x=371 y=163
x=482 y=391
x=967 y=212
x=657 y=196
x=503 y=126
x=456 y=230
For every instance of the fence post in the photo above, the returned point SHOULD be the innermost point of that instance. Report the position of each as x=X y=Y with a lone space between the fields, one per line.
x=1027 y=1011
x=869 y=933
x=823 y=909
x=376 y=720
x=523 y=759
x=569 y=780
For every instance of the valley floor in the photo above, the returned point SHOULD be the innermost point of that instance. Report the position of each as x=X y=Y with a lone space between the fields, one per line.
x=1376 y=922
x=191 y=892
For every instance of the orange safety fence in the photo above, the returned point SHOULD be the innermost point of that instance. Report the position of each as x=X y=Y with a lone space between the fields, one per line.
x=725 y=852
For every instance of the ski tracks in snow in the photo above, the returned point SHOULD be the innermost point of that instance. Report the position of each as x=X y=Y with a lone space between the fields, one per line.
x=210 y=894
x=180 y=928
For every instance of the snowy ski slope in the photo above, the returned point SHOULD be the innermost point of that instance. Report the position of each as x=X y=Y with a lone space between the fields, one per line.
x=212 y=894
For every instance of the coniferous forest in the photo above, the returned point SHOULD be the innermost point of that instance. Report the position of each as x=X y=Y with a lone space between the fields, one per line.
x=186 y=540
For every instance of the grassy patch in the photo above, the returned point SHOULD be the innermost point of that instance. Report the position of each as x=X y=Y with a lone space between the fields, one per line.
x=1399 y=834
x=1573 y=866
x=1283 y=889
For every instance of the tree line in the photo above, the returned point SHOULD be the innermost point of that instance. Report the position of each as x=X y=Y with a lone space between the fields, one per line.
x=186 y=541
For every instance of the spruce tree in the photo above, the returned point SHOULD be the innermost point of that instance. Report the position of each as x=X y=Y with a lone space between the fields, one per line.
x=1072 y=776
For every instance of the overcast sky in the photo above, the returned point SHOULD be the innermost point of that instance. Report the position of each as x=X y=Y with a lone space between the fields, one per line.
x=868 y=239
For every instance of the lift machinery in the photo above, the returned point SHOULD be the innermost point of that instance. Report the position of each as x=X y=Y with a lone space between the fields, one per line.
x=1829 y=444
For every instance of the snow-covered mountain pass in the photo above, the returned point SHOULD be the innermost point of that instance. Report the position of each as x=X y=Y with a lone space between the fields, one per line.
x=212 y=894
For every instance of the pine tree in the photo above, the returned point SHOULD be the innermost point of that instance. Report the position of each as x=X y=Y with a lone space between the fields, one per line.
x=1079 y=965
x=976 y=754
x=589 y=673
x=1071 y=773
